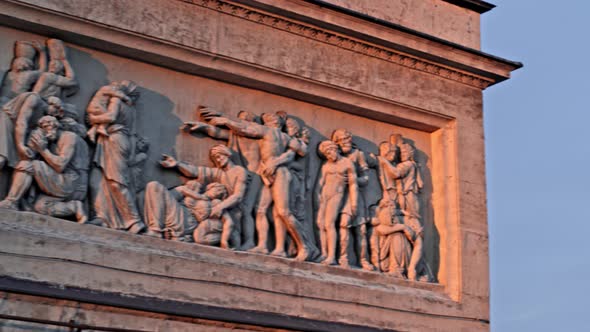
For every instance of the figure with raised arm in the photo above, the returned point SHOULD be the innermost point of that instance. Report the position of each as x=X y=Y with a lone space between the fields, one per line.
x=24 y=93
x=233 y=177
x=276 y=177
x=246 y=153
x=411 y=183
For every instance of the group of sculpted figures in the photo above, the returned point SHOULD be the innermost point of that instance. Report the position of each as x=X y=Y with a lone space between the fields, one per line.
x=89 y=168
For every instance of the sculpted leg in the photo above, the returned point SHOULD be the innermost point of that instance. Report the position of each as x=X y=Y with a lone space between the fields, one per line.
x=344 y=240
x=416 y=256
x=332 y=214
x=321 y=222
x=280 y=195
x=280 y=235
x=55 y=207
x=227 y=232
x=154 y=209
x=262 y=220
x=21 y=182
x=362 y=249
x=127 y=207
x=248 y=222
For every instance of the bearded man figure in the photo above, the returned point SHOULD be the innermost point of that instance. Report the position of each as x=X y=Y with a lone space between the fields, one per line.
x=61 y=174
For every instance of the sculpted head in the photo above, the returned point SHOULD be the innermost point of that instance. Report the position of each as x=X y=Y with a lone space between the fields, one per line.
x=329 y=149
x=343 y=138
x=220 y=155
x=388 y=151
x=54 y=106
x=293 y=127
x=215 y=190
x=49 y=125
x=247 y=116
x=407 y=152
x=272 y=120
x=142 y=145
x=22 y=64
x=56 y=66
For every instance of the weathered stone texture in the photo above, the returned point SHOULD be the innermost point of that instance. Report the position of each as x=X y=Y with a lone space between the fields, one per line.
x=433 y=17
x=325 y=68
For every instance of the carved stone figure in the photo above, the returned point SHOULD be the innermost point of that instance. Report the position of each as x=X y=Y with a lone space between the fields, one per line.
x=411 y=183
x=272 y=143
x=22 y=74
x=61 y=174
x=247 y=155
x=213 y=230
x=298 y=168
x=390 y=246
x=67 y=115
x=167 y=213
x=100 y=101
x=233 y=177
x=355 y=223
x=113 y=196
x=19 y=113
x=337 y=187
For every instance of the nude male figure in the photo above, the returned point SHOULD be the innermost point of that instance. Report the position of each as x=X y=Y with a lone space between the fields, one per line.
x=337 y=185
x=272 y=143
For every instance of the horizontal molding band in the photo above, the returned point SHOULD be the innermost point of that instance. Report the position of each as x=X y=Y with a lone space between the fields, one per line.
x=418 y=61
x=176 y=308
x=478 y=6
x=193 y=61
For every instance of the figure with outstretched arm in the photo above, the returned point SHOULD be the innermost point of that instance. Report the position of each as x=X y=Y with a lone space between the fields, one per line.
x=246 y=153
x=272 y=143
x=408 y=173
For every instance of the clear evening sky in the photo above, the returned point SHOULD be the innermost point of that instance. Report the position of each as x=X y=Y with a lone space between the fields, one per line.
x=538 y=166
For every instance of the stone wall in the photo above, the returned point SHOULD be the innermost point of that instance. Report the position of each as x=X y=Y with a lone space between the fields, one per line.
x=327 y=70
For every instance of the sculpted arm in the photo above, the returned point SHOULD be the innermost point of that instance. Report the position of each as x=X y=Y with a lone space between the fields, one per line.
x=69 y=80
x=191 y=171
x=363 y=175
x=353 y=187
x=21 y=127
x=185 y=191
x=42 y=56
x=299 y=146
x=108 y=117
x=320 y=186
x=242 y=128
x=65 y=152
x=186 y=169
x=388 y=169
x=370 y=160
x=239 y=190
x=209 y=130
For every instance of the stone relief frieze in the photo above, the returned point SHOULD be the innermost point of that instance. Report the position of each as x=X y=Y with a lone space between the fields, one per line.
x=256 y=196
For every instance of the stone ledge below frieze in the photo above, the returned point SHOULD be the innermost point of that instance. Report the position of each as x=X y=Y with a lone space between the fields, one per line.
x=42 y=249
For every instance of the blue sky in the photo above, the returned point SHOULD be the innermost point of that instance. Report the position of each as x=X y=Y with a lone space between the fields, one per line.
x=538 y=164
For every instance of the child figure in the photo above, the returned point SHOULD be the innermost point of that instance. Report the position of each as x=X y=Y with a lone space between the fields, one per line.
x=99 y=103
x=337 y=184
x=211 y=231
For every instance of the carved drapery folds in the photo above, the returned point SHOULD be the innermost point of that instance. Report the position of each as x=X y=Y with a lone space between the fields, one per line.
x=254 y=198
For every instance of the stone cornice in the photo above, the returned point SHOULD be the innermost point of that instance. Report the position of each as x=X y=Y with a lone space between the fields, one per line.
x=343 y=41
x=475 y=5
